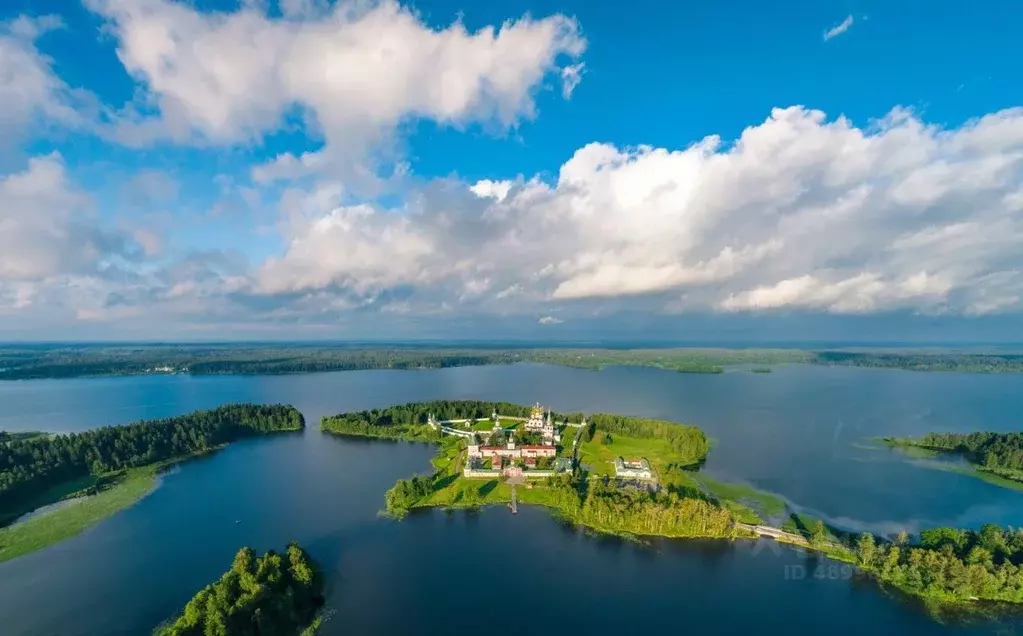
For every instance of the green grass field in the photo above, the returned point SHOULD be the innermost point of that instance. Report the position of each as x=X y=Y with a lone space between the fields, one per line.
x=459 y=492
x=64 y=523
x=765 y=503
x=51 y=495
x=600 y=457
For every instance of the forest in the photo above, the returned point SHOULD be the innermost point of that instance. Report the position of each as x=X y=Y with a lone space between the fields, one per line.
x=925 y=361
x=991 y=450
x=998 y=453
x=668 y=513
x=269 y=595
x=950 y=564
x=83 y=360
x=28 y=468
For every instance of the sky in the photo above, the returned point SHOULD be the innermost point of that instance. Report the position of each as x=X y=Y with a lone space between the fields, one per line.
x=555 y=169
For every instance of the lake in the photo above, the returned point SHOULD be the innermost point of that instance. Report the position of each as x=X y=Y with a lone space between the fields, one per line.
x=800 y=432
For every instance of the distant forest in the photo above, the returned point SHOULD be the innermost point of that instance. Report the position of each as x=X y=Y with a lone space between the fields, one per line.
x=28 y=468
x=66 y=361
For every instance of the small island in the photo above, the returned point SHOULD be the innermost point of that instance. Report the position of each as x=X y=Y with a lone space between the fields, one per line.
x=638 y=477
x=269 y=594
x=81 y=478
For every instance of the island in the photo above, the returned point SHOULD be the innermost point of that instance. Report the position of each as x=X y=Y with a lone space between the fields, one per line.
x=269 y=594
x=80 y=478
x=506 y=453
x=995 y=456
x=638 y=477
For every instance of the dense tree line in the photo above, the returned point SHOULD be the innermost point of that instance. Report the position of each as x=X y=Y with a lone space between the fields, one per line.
x=615 y=508
x=962 y=362
x=19 y=435
x=990 y=450
x=950 y=564
x=406 y=421
x=48 y=361
x=45 y=361
x=406 y=493
x=269 y=595
x=29 y=467
x=689 y=441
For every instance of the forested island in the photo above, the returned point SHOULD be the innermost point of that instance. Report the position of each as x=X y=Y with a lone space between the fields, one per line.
x=264 y=595
x=67 y=361
x=679 y=508
x=101 y=471
x=999 y=454
x=942 y=565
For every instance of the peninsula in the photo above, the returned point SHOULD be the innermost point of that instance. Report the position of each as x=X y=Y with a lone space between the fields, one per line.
x=269 y=594
x=91 y=475
x=994 y=456
x=636 y=477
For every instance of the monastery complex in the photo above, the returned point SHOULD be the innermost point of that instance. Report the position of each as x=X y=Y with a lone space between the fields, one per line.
x=539 y=453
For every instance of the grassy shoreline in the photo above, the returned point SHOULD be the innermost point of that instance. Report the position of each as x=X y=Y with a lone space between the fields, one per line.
x=56 y=526
x=1003 y=477
x=118 y=491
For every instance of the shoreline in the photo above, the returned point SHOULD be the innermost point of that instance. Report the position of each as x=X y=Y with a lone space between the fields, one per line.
x=1003 y=478
x=131 y=486
x=685 y=506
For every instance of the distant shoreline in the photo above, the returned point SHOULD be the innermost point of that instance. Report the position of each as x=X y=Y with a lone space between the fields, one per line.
x=32 y=362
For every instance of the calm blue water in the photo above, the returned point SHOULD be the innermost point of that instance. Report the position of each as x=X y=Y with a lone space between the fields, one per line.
x=798 y=432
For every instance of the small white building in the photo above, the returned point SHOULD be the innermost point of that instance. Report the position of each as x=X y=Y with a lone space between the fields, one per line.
x=633 y=469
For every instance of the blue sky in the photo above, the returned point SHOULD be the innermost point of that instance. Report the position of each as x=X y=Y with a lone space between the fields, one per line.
x=305 y=168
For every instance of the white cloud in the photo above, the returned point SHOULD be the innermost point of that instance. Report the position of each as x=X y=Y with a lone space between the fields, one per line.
x=44 y=227
x=839 y=28
x=571 y=76
x=31 y=93
x=352 y=73
x=496 y=190
x=549 y=320
x=799 y=212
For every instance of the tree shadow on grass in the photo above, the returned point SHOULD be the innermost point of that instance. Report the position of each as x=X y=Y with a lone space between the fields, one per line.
x=444 y=482
x=488 y=488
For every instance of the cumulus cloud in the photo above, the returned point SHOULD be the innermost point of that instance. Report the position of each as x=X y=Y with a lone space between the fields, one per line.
x=799 y=212
x=30 y=91
x=352 y=73
x=45 y=229
x=550 y=320
x=496 y=190
x=839 y=28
